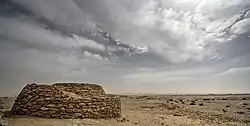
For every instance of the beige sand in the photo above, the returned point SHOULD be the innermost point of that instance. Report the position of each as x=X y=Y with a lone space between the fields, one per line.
x=165 y=110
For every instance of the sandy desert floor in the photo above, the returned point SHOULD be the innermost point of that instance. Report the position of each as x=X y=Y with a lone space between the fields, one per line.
x=160 y=110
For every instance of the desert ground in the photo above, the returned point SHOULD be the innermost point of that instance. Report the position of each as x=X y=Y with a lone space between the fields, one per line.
x=158 y=110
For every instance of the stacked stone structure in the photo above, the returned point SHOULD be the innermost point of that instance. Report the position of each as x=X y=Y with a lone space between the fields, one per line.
x=66 y=101
x=2 y=121
x=84 y=90
x=1 y=110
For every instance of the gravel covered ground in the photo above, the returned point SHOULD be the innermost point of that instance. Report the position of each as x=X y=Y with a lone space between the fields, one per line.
x=159 y=110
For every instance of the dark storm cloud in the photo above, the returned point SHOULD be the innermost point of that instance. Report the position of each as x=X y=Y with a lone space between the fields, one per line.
x=80 y=26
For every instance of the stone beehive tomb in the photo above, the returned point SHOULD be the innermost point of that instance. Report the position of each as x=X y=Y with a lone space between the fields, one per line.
x=1 y=109
x=66 y=101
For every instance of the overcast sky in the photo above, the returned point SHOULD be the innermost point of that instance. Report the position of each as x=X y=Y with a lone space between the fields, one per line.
x=127 y=46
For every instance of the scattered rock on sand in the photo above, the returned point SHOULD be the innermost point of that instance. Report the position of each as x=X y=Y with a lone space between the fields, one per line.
x=122 y=119
x=244 y=98
x=224 y=110
x=224 y=99
x=169 y=106
x=192 y=102
x=201 y=104
x=176 y=114
x=240 y=112
x=206 y=99
x=244 y=103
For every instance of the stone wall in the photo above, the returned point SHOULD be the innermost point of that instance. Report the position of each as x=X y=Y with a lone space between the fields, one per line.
x=1 y=110
x=2 y=121
x=84 y=90
x=66 y=101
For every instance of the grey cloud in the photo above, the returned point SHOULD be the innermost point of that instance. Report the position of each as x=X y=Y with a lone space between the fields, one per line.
x=73 y=21
x=80 y=15
x=153 y=42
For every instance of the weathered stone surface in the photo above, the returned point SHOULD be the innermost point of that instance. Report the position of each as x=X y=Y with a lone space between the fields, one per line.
x=2 y=121
x=1 y=109
x=84 y=90
x=68 y=101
